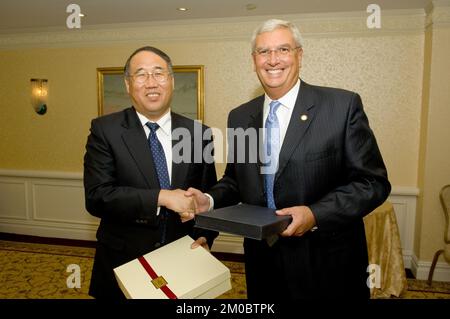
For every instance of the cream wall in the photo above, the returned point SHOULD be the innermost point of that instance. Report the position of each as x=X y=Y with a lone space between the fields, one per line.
x=406 y=107
x=385 y=69
x=56 y=140
x=434 y=171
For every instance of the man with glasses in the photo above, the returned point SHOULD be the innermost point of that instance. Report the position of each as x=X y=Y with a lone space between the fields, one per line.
x=324 y=169
x=133 y=180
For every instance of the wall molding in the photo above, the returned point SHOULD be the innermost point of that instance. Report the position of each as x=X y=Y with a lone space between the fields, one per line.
x=49 y=204
x=404 y=201
x=41 y=174
x=219 y=29
x=421 y=269
x=438 y=14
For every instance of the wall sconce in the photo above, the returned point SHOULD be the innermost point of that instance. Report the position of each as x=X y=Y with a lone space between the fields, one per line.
x=39 y=94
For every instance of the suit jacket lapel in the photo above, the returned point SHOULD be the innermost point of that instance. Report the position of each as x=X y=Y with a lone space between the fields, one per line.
x=136 y=142
x=302 y=116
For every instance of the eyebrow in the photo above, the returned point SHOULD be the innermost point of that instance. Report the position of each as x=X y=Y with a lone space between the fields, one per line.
x=153 y=69
x=278 y=46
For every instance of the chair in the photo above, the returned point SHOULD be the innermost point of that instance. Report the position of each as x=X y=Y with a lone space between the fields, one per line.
x=444 y=196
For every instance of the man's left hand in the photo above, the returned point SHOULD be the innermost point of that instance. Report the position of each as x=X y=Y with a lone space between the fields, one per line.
x=302 y=220
x=201 y=241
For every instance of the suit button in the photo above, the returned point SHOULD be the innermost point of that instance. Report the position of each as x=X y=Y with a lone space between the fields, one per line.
x=157 y=244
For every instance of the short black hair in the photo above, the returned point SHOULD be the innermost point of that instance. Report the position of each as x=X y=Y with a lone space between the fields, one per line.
x=154 y=50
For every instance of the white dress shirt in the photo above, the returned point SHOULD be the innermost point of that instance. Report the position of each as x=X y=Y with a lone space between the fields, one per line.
x=284 y=112
x=164 y=134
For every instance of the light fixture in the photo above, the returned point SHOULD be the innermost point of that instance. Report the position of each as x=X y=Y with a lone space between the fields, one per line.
x=182 y=9
x=39 y=94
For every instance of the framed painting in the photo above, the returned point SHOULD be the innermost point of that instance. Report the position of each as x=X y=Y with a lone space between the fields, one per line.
x=188 y=96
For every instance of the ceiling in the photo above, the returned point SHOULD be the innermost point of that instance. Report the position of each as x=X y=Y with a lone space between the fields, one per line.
x=24 y=15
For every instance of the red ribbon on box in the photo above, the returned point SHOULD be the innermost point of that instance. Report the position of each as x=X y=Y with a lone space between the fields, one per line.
x=169 y=293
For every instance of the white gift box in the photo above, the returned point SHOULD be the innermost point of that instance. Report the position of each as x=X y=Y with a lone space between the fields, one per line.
x=174 y=271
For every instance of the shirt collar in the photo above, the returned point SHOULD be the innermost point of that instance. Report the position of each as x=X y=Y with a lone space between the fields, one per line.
x=288 y=100
x=164 y=122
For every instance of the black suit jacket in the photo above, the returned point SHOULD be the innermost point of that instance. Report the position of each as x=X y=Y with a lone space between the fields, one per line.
x=329 y=162
x=121 y=188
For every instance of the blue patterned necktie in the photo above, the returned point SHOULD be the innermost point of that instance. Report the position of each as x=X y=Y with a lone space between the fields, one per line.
x=272 y=150
x=159 y=159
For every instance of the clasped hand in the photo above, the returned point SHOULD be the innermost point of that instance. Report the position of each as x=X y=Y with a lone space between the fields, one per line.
x=177 y=201
x=185 y=203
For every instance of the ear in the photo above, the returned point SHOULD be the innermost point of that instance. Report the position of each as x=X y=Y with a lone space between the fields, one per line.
x=254 y=62
x=127 y=84
x=300 y=57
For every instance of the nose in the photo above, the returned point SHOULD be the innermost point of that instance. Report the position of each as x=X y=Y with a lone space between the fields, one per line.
x=150 y=81
x=273 y=57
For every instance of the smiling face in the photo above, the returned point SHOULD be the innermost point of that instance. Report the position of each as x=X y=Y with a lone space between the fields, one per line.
x=150 y=98
x=277 y=73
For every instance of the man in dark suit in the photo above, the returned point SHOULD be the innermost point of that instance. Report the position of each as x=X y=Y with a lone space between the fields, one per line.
x=328 y=174
x=133 y=179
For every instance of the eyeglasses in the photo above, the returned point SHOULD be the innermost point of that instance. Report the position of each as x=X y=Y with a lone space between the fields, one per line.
x=280 y=52
x=159 y=76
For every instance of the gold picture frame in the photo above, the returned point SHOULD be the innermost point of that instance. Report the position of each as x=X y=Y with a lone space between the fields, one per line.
x=188 y=98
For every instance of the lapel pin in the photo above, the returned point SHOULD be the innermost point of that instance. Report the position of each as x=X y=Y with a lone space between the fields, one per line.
x=304 y=117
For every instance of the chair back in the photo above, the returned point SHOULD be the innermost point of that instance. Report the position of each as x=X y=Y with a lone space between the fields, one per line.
x=444 y=195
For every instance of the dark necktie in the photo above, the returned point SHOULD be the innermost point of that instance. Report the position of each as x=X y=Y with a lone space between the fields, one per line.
x=272 y=151
x=159 y=159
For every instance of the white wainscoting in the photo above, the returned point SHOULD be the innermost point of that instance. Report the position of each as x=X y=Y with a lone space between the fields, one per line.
x=51 y=204
x=404 y=200
x=46 y=204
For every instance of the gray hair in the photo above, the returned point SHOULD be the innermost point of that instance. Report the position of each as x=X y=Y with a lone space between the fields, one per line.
x=273 y=24
x=154 y=50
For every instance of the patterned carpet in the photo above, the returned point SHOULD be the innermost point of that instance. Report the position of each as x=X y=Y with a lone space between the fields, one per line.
x=40 y=271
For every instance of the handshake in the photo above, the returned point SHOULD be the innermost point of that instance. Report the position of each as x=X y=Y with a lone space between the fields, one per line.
x=186 y=203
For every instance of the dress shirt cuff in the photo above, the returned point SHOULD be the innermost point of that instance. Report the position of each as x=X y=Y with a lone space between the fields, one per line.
x=158 y=209
x=211 y=202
